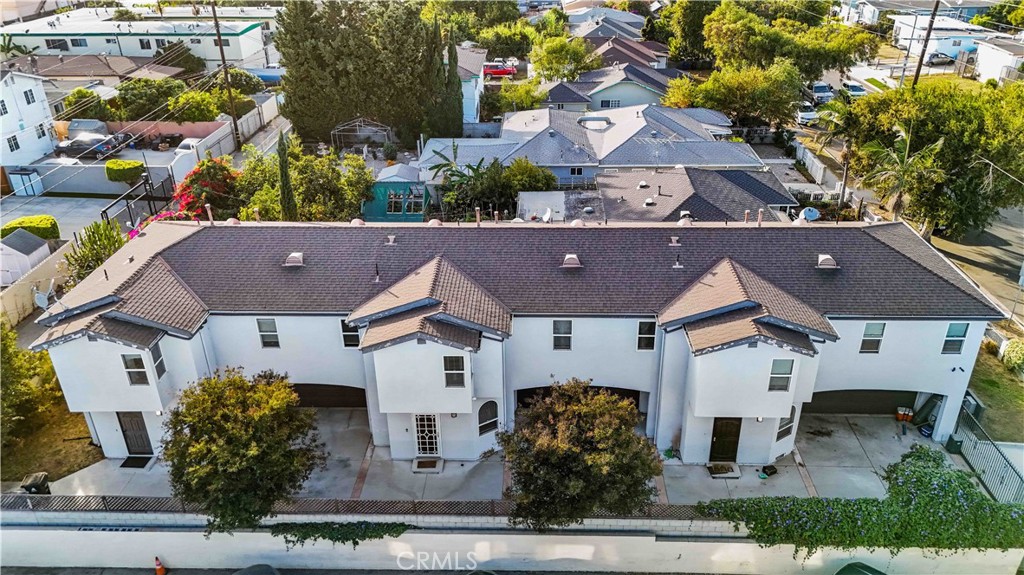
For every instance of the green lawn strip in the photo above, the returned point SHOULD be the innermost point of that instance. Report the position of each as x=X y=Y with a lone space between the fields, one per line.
x=878 y=84
x=1002 y=392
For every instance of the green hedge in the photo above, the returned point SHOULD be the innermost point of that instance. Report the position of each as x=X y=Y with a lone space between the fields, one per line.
x=42 y=225
x=930 y=505
x=296 y=534
x=127 y=171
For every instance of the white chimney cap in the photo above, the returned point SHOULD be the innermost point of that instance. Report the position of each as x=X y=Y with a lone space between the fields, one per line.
x=571 y=261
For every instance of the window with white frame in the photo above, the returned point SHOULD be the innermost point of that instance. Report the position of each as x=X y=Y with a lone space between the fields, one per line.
x=786 y=424
x=58 y=107
x=30 y=97
x=487 y=417
x=135 y=368
x=414 y=205
x=872 y=340
x=782 y=375
x=645 y=336
x=575 y=171
x=79 y=42
x=956 y=333
x=349 y=335
x=161 y=43
x=561 y=331
x=394 y=202
x=454 y=371
x=12 y=144
x=158 y=360
x=40 y=131
x=223 y=42
x=3 y=107
x=267 y=328
x=145 y=44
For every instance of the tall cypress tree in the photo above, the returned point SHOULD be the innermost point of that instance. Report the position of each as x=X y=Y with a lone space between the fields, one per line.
x=297 y=35
x=452 y=104
x=434 y=80
x=289 y=210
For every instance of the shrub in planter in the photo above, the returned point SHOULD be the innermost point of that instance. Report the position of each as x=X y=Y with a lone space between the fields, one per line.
x=390 y=152
x=1013 y=355
x=42 y=225
x=126 y=171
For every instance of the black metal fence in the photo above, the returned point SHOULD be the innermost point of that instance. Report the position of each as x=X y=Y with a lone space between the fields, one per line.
x=132 y=504
x=1001 y=479
x=138 y=203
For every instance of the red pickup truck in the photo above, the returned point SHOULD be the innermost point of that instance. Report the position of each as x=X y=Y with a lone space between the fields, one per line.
x=498 y=70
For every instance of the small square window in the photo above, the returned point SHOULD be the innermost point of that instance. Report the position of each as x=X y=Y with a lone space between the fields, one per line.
x=559 y=106
x=161 y=43
x=3 y=107
x=79 y=42
x=575 y=171
x=781 y=376
x=195 y=41
x=394 y=203
x=267 y=328
x=454 y=371
x=645 y=336
x=956 y=333
x=145 y=44
x=57 y=44
x=222 y=42
x=349 y=335
x=135 y=368
x=40 y=131
x=872 y=341
x=562 y=333
x=111 y=40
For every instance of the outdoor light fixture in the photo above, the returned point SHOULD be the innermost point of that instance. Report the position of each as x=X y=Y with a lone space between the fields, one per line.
x=760 y=419
x=454 y=415
x=159 y=413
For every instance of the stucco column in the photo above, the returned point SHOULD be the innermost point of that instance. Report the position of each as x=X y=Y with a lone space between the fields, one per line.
x=948 y=412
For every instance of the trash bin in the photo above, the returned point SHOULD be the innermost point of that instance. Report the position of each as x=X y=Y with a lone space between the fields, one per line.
x=954 y=445
x=36 y=484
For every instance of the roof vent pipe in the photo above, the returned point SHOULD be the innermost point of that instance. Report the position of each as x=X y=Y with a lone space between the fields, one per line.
x=760 y=216
x=551 y=133
x=746 y=216
x=678 y=265
x=571 y=261
x=256 y=214
x=209 y=213
x=391 y=241
x=673 y=240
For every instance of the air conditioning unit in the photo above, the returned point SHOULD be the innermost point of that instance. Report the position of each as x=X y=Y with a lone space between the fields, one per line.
x=973 y=405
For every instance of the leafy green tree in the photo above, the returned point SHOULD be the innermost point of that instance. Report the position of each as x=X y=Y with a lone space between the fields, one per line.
x=1007 y=12
x=266 y=202
x=142 y=98
x=553 y=23
x=242 y=104
x=656 y=30
x=193 y=107
x=9 y=49
x=289 y=209
x=125 y=15
x=516 y=96
x=573 y=454
x=748 y=95
x=85 y=104
x=900 y=175
x=685 y=21
x=738 y=38
x=178 y=55
x=244 y=82
x=258 y=171
x=23 y=393
x=808 y=12
x=467 y=17
x=508 y=40
x=236 y=446
x=356 y=183
x=563 y=59
x=96 y=243
x=525 y=176
x=641 y=7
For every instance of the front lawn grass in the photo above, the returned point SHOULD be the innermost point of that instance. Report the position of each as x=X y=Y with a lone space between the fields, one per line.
x=1002 y=392
x=59 y=445
x=953 y=79
x=878 y=84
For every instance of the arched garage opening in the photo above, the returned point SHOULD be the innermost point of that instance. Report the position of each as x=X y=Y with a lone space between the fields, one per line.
x=323 y=395
x=860 y=402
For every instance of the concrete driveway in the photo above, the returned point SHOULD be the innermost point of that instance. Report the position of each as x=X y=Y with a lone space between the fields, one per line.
x=346 y=435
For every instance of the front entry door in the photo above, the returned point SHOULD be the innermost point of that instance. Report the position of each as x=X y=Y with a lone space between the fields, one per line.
x=427 y=440
x=725 y=439
x=136 y=437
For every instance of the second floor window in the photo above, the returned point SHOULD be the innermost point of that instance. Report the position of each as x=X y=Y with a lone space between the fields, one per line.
x=135 y=368
x=454 y=371
x=267 y=328
x=872 y=341
x=161 y=43
x=575 y=171
x=645 y=336
x=53 y=44
x=786 y=424
x=12 y=144
x=3 y=107
x=79 y=42
x=782 y=375
x=349 y=335
x=956 y=333
x=30 y=97
x=224 y=42
x=158 y=361
x=561 y=330
x=145 y=44
x=40 y=131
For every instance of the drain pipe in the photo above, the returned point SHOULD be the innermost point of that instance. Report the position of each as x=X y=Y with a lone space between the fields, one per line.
x=660 y=381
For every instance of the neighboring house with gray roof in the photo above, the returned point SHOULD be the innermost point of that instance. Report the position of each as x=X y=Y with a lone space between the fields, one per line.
x=471 y=72
x=625 y=51
x=618 y=86
x=576 y=146
x=722 y=335
x=597 y=30
x=20 y=251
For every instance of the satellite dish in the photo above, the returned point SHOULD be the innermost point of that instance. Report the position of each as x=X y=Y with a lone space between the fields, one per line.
x=810 y=214
x=546 y=218
x=41 y=299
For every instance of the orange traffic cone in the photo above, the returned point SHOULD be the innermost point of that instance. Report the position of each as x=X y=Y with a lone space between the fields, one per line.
x=160 y=569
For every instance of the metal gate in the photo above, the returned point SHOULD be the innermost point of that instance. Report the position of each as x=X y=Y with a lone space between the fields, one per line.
x=141 y=201
x=1001 y=479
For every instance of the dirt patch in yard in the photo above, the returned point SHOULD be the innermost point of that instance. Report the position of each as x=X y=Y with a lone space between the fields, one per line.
x=1002 y=392
x=60 y=445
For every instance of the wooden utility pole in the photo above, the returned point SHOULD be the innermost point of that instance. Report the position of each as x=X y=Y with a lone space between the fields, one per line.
x=227 y=77
x=924 y=45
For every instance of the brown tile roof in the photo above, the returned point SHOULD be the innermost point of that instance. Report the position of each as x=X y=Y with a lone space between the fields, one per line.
x=414 y=324
x=158 y=296
x=94 y=323
x=716 y=290
x=739 y=327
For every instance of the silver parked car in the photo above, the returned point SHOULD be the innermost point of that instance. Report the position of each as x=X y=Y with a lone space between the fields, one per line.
x=938 y=59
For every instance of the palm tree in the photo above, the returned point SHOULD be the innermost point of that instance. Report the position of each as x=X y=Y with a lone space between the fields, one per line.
x=897 y=174
x=834 y=121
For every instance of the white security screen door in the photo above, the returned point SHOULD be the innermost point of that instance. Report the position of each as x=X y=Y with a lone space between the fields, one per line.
x=426 y=436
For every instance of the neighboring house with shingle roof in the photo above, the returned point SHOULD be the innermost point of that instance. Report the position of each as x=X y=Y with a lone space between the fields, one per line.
x=618 y=86
x=625 y=51
x=471 y=72
x=20 y=251
x=429 y=328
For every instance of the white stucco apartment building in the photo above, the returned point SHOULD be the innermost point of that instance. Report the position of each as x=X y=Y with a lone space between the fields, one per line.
x=723 y=336
x=26 y=123
x=92 y=31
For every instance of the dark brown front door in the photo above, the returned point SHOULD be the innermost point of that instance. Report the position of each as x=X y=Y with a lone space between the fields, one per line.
x=725 y=439
x=136 y=437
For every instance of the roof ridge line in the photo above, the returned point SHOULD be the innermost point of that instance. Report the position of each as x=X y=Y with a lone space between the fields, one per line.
x=478 y=286
x=977 y=288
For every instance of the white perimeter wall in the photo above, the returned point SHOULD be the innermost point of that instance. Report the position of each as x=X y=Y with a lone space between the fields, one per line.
x=467 y=550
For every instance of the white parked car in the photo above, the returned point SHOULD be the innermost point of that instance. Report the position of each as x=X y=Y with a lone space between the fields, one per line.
x=187 y=145
x=806 y=114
